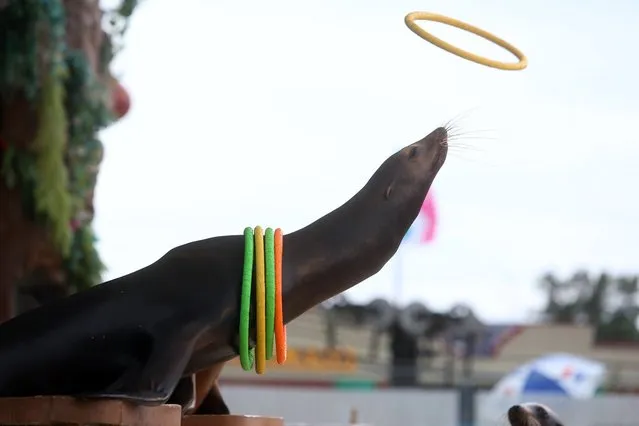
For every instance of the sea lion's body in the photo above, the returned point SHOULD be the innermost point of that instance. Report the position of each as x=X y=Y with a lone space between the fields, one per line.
x=135 y=337
x=137 y=325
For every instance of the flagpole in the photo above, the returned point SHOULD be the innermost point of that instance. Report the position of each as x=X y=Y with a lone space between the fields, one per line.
x=427 y=211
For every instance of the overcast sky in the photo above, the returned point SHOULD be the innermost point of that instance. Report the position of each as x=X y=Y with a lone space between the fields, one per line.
x=273 y=113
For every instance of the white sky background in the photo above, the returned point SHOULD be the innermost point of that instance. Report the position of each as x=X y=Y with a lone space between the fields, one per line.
x=314 y=95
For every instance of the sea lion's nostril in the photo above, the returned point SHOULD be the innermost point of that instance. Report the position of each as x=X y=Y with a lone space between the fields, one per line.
x=412 y=153
x=515 y=415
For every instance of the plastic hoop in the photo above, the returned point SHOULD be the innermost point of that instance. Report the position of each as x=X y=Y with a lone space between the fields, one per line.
x=411 y=23
x=265 y=248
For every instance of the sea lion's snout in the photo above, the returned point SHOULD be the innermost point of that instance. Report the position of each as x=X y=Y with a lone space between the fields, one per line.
x=431 y=150
x=531 y=414
x=519 y=416
x=411 y=170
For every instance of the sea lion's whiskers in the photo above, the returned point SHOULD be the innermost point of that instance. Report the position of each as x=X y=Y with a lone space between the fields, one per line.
x=462 y=147
x=476 y=133
x=457 y=155
x=476 y=130
x=460 y=137
x=464 y=143
x=465 y=148
x=458 y=118
x=458 y=149
x=502 y=420
x=531 y=421
x=457 y=127
x=467 y=140
x=472 y=134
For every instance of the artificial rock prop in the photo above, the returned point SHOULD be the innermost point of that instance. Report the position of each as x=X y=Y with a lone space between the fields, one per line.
x=56 y=93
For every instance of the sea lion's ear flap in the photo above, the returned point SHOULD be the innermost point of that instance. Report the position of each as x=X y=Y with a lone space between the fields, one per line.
x=412 y=153
x=389 y=191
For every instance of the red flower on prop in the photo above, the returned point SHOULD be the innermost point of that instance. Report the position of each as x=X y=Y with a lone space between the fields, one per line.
x=121 y=100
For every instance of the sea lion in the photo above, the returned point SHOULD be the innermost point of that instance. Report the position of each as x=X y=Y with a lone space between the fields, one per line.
x=532 y=414
x=135 y=337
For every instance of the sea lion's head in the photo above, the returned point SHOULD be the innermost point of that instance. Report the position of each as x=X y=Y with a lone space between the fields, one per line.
x=354 y=241
x=532 y=414
x=405 y=178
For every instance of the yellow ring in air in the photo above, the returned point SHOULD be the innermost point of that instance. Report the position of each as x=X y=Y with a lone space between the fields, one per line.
x=411 y=23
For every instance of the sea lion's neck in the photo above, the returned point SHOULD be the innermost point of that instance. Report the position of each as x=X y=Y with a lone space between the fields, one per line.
x=336 y=252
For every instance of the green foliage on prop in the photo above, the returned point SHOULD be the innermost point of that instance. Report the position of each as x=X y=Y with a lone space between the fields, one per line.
x=83 y=265
x=21 y=23
x=86 y=103
x=50 y=177
x=58 y=173
x=37 y=73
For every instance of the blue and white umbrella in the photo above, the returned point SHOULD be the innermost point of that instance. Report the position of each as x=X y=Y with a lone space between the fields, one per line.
x=553 y=375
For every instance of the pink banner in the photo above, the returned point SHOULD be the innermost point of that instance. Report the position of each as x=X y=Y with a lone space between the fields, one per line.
x=422 y=231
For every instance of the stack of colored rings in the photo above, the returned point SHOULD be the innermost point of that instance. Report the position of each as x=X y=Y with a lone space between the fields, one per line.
x=264 y=250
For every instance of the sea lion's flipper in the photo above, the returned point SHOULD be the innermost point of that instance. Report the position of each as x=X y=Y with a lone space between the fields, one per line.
x=154 y=383
x=213 y=403
x=184 y=394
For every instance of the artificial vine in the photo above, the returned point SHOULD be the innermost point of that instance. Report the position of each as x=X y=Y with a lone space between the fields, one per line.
x=86 y=103
x=37 y=71
x=57 y=173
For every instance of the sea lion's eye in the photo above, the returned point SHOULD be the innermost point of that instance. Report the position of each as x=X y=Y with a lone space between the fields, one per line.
x=412 y=153
x=541 y=413
x=388 y=192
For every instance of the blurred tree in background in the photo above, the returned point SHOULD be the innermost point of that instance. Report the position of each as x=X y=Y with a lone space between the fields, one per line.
x=607 y=303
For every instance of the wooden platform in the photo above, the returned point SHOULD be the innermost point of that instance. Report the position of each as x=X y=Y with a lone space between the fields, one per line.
x=232 y=421
x=56 y=410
